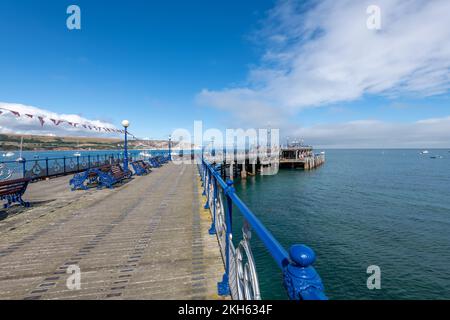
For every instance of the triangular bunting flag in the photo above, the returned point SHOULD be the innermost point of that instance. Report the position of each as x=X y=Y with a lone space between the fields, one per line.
x=41 y=120
x=56 y=122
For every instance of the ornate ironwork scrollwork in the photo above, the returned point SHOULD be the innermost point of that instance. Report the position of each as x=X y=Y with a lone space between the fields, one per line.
x=5 y=172
x=245 y=272
x=221 y=226
x=36 y=170
x=56 y=166
x=72 y=164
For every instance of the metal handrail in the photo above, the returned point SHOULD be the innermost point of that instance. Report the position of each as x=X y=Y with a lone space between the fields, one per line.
x=56 y=166
x=240 y=280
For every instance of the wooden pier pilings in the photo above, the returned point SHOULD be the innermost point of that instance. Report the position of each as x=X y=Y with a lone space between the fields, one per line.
x=244 y=164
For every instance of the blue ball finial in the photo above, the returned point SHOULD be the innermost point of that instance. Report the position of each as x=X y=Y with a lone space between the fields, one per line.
x=302 y=255
x=230 y=182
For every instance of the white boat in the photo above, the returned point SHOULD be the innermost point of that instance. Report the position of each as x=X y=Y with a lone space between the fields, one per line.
x=145 y=154
x=425 y=152
x=8 y=154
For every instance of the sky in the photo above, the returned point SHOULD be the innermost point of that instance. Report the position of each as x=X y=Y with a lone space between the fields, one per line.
x=313 y=69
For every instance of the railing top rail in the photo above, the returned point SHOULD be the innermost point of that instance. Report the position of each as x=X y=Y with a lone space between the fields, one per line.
x=66 y=157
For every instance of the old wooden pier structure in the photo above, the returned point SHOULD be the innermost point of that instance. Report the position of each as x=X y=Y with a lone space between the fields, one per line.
x=250 y=163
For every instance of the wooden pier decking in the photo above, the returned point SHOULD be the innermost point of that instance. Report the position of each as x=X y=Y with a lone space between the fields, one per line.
x=146 y=239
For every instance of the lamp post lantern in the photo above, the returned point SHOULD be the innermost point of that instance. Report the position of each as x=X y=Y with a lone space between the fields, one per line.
x=125 y=124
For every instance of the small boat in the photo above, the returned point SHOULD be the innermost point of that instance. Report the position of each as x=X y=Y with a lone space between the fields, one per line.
x=145 y=154
x=425 y=152
x=437 y=157
x=323 y=152
x=8 y=154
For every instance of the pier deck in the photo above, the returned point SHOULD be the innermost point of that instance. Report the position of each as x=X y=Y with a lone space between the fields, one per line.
x=146 y=239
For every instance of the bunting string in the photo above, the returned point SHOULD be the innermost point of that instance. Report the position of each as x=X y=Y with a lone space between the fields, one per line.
x=56 y=122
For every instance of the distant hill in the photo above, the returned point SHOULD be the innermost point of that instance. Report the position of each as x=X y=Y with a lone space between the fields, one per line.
x=11 y=142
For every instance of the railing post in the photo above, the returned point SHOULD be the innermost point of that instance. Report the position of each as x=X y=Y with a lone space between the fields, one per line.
x=89 y=161
x=212 y=230
x=301 y=280
x=78 y=163
x=224 y=286
x=64 y=164
x=208 y=183
x=23 y=160
x=46 y=166
x=204 y=176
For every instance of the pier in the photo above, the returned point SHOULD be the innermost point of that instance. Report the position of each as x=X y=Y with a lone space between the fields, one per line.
x=303 y=157
x=167 y=234
x=241 y=164
x=146 y=239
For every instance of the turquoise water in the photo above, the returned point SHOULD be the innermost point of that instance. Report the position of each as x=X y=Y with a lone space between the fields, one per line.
x=388 y=208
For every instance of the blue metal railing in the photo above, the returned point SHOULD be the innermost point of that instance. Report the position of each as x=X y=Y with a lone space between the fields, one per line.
x=240 y=280
x=42 y=168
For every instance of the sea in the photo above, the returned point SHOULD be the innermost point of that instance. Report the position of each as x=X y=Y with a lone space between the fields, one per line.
x=388 y=208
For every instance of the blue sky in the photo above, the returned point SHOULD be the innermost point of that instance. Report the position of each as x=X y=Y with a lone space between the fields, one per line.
x=163 y=65
x=144 y=61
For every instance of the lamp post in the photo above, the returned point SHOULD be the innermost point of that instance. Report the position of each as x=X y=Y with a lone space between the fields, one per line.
x=125 y=124
x=170 y=147
x=213 y=150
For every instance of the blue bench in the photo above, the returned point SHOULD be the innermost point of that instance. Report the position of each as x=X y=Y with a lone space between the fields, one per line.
x=154 y=162
x=141 y=168
x=82 y=180
x=112 y=177
x=12 y=191
x=106 y=176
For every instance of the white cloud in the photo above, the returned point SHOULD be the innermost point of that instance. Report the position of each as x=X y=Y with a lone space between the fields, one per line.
x=427 y=133
x=25 y=125
x=326 y=54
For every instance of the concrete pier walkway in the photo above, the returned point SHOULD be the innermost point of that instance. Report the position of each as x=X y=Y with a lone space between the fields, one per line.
x=146 y=239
